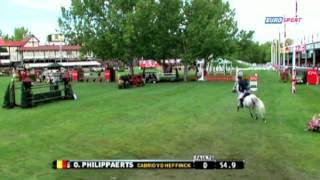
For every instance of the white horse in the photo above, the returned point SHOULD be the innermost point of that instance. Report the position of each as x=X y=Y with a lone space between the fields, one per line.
x=253 y=103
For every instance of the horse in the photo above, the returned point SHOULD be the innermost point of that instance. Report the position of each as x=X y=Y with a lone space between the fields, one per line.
x=253 y=103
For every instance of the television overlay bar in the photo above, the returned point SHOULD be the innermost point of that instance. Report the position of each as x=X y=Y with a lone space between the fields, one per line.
x=199 y=162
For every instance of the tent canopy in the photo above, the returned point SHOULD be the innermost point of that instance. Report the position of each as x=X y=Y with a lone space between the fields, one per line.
x=54 y=66
x=220 y=61
x=63 y=64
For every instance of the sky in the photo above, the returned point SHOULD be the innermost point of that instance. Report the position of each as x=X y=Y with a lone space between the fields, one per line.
x=250 y=15
x=41 y=16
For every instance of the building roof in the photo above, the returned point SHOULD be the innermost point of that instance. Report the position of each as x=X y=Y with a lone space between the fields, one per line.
x=16 y=43
x=52 y=48
x=23 y=42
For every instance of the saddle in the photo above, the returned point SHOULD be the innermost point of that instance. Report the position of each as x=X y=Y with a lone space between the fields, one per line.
x=242 y=98
x=245 y=95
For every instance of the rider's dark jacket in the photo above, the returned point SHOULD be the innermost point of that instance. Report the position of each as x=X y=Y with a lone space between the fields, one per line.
x=243 y=85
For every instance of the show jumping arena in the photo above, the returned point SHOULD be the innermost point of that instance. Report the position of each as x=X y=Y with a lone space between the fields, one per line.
x=162 y=121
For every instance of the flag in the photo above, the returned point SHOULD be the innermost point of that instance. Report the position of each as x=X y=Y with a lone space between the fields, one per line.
x=61 y=164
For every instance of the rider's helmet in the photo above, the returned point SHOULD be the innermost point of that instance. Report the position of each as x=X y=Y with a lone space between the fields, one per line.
x=240 y=75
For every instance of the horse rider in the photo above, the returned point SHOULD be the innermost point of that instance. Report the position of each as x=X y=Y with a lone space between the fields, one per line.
x=243 y=88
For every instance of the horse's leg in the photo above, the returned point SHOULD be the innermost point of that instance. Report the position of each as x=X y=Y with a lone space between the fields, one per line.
x=239 y=101
x=256 y=114
x=254 y=110
x=250 y=112
x=264 y=119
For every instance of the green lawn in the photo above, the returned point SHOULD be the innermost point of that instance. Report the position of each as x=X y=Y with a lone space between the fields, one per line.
x=163 y=121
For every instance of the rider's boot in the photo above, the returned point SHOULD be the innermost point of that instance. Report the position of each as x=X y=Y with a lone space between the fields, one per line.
x=241 y=103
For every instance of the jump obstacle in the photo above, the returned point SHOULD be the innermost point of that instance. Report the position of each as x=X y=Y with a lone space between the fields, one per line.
x=33 y=94
x=102 y=77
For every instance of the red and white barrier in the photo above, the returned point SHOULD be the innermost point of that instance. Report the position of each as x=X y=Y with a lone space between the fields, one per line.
x=253 y=83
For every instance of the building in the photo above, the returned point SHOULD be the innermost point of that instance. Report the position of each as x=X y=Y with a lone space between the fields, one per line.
x=306 y=55
x=10 y=50
x=312 y=55
x=50 y=53
x=29 y=51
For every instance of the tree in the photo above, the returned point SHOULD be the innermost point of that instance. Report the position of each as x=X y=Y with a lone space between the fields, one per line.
x=159 y=29
x=167 y=29
x=20 y=33
x=247 y=49
x=144 y=23
x=209 y=30
x=103 y=27
x=266 y=48
x=244 y=45
x=6 y=37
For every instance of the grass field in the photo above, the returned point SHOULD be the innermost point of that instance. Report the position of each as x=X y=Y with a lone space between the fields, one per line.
x=163 y=121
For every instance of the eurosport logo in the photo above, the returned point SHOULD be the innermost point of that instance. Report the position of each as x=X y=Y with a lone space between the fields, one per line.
x=274 y=20
x=280 y=20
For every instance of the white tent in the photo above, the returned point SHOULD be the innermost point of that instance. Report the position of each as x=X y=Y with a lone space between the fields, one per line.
x=219 y=65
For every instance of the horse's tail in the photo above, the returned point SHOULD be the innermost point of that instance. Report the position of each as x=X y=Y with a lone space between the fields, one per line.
x=259 y=106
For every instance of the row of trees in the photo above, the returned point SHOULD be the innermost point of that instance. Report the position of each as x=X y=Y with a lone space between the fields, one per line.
x=247 y=49
x=19 y=33
x=157 y=29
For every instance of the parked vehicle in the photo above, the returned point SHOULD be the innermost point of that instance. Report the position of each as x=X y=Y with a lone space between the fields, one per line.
x=128 y=81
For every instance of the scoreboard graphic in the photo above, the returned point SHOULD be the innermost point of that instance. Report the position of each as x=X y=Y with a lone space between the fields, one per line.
x=198 y=162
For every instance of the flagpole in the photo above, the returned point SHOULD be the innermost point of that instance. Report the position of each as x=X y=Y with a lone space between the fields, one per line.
x=296 y=8
x=293 y=74
x=272 y=55
x=284 y=47
x=278 y=50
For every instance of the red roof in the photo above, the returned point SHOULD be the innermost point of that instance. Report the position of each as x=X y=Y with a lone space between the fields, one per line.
x=51 y=48
x=15 y=43
x=23 y=42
